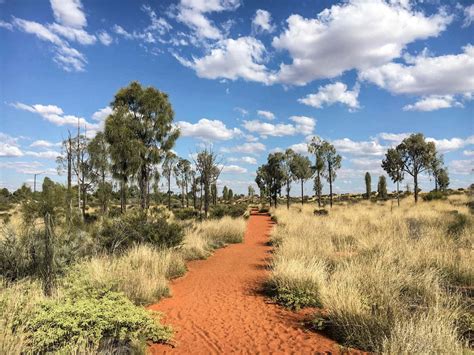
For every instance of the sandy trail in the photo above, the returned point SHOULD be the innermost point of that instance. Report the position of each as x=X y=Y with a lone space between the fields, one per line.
x=217 y=308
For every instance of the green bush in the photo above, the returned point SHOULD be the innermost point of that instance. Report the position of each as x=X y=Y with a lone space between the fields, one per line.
x=94 y=319
x=136 y=227
x=234 y=211
x=434 y=195
x=185 y=213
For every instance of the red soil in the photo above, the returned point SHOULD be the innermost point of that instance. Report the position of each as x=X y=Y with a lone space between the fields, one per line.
x=217 y=307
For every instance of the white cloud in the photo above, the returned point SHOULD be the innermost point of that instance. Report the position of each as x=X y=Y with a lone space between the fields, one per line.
x=30 y=167
x=207 y=130
x=303 y=124
x=231 y=59
x=102 y=114
x=443 y=75
x=48 y=154
x=44 y=144
x=394 y=138
x=447 y=145
x=266 y=114
x=246 y=160
x=469 y=153
x=191 y=13
x=242 y=111
x=6 y=25
x=69 y=13
x=300 y=148
x=9 y=147
x=254 y=148
x=262 y=22
x=357 y=34
x=468 y=15
x=233 y=169
x=105 y=38
x=433 y=103
x=347 y=145
x=265 y=129
x=331 y=94
x=73 y=34
x=68 y=58
x=462 y=167
x=55 y=115
x=371 y=165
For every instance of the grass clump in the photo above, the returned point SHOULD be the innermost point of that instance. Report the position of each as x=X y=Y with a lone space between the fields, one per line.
x=226 y=230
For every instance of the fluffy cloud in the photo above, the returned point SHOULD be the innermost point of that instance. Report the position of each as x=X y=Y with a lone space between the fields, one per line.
x=331 y=94
x=231 y=59
x=266 y=114
x=48 y=154
x=262 y=22
x=69 y=13
x=208 y=130
x=233 y=169
x=192 y=14
x=303 y=124
x=254 y=148
x=462 y=167
x=433 y=103
x=102 y=114
x=73 y=34
x=6 y=25
x=247 y=160
x=468 y=15
x=105 y=38
x=447 y=145
x=55 y=115
x=357 y=34
x=44 y=144
x=347 y=145
x=393 y=138
x=442 y=75
x=469 y=153
x=9 y=147
x=265 y=129
x=30 y=167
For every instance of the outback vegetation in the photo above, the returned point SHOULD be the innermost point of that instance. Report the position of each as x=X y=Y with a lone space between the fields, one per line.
x=79 y=262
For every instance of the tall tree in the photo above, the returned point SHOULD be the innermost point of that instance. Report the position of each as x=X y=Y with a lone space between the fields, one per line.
x=393 y=165
x=152 y=125
x=288 y=175
x=225 y=193
x=333 y=163
x=251 y=191
x=263 y=182
x=99 y=161
x=231 y=195
x=181 y=170
x=416 y=155
x=443 y=179
x=123 y=145
x=64 y=162
x=214 y=193
x=435 y=168
x=271 y=176
x=382 y=187
x=207 y=165
x=368 y=187
x=169 y=165
x=315 y=147
x=301 y=169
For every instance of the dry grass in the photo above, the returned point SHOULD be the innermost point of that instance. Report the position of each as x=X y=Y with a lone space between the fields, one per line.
x=384 y=274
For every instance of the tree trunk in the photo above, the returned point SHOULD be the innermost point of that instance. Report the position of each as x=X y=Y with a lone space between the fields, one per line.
x=48 y=260
x=69 y=182
x=206 y=199
x=319 y=189
x=415 y=180
x=302 y=194
x=288 y=195
x=169 y=192
x=187 y=197
x=143 y=187
x=84 y=201
x=398 y=194
x=330 y=184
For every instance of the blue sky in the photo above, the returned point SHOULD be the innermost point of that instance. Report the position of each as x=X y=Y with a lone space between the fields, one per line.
x=248 y=77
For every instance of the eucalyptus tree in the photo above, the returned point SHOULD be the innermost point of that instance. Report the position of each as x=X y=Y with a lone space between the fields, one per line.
x=214 y=193
x=368 y=187
x=443 y=179
x=194 y=181
x=225 y=193
x=271 y=176
x=435 y=168
x=393 y=166
x=181 y=171
x=263 y=182
x=123 y=145
x=209 y=169
x=288 y=175
x=152 y=126
x=382 y=187
x=99 y=161
x=251 y=191
x=64 y=162
x=315 y=147
x=169 y=165
x=333 y=163
x=416 y=155
x=231 y=195
x=301 y=170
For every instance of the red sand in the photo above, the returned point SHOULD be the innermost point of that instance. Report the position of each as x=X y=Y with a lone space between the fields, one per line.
x=217 y=308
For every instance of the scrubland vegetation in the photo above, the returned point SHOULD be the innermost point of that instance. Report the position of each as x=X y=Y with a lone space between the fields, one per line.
x=388 y=279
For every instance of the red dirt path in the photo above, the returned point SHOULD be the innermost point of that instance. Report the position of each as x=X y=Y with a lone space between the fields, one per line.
x=216 y=308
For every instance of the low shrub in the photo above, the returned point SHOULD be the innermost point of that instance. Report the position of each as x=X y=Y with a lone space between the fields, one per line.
x=234 y=211
x=185 y=213
x=94 y=319
x=434 y=195
x=223 y=231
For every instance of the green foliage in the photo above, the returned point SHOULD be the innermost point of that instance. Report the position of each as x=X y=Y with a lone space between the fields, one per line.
x=382 y=188
x=185 y=213
x=294 y=298
x=92 y=318
x=434 y=195
x=235 y=211
x=137 y=227
x=368 y=188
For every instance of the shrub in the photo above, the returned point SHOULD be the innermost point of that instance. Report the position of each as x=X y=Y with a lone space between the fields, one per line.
x=92 y=318
x=235 y=211
x=434 y=195
x=185 y=213
x=136 y=227
x=224 y=231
